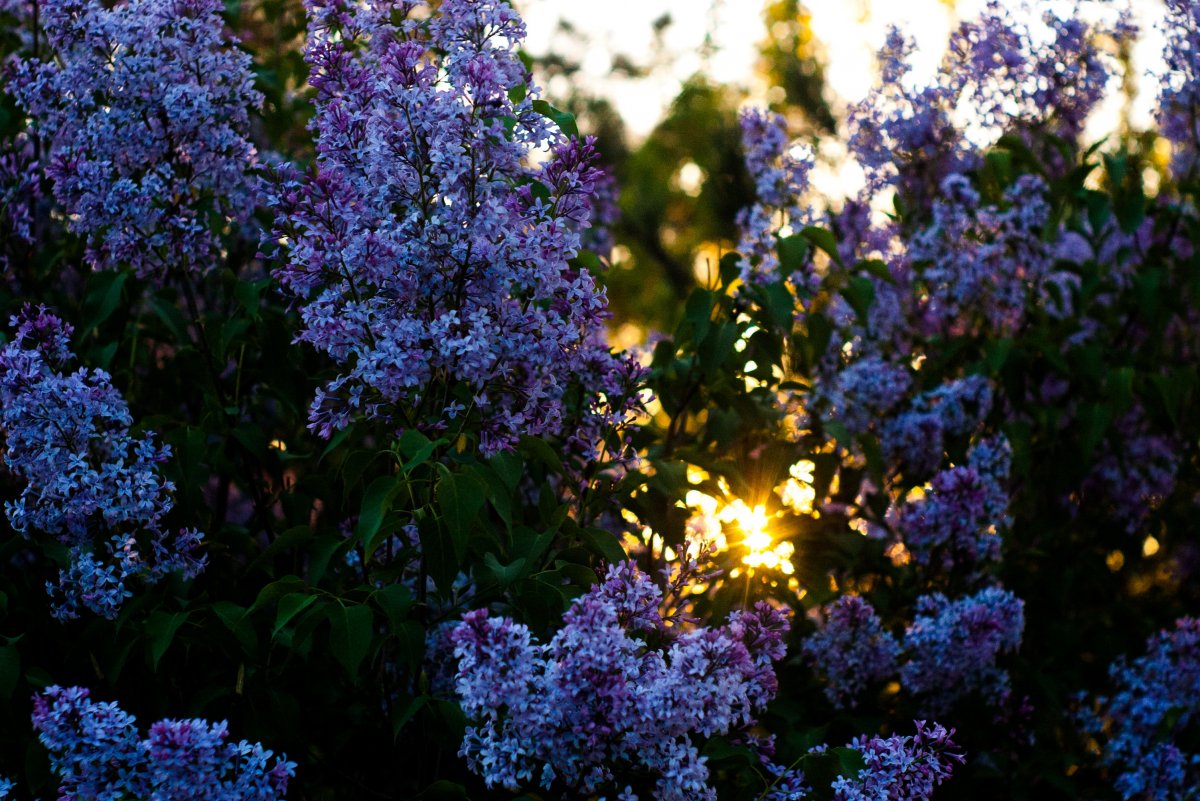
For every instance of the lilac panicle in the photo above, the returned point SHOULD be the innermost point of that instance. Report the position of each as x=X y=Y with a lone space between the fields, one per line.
x=960 y=520
x=952 y=646
x=96 y=751
x=145 y=108
x=851 y=649
x=1144 y=721
x=597 y=702
x=1136 y=475
x=897 y=768
x=916 y=437
x=1179 y=95
x=780 y=179
x=89 y=482
x=430 y=258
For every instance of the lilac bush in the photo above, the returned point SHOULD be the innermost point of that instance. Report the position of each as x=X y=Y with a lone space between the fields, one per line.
x=97 y=753
x=144 y=106
x=88 y=482
x=430 y=259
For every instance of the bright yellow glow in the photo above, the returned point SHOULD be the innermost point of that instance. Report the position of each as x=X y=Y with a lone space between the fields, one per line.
x=710 y=520
x=797 y=492
x=1150 y=546
x=279 y=445
x=1115 y=561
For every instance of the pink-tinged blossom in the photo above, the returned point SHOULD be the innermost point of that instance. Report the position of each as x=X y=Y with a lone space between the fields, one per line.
x=98 y=755
x=851 y=650
x=952 y=646
x=1144 y=723
x=959 y=522
x=429 y=257
x=780 y=173
x=145 y=109
x=598 y=703
x=89 y=482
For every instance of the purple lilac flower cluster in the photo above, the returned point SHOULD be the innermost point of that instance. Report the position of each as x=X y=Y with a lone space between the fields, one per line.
x=89 y=482
x=145 y=107
x=862 y=393
x=906 y=136
x=98 y=754
x=1144 y=721
x=20 y=192
x=598 y=701
x=959 y=521
x=916 y=438
x=432 y=261
x=780 y=172
x=1179 y=94
x=851 y=650
x=952 y=646
x=981 y=263
x=897 y=768
x=1135 y=476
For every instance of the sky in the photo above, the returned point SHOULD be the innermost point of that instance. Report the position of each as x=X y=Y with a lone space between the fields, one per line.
x=851 y=31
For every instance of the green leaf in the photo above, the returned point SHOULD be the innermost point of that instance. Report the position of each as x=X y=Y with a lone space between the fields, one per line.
x=103 y=297
x=10 y=671
x=504 y=574
x=161 y=628
x=793 y=253
x=376 y=502
x=394 y=600
x=604 y=544
x=350 y=637
x=235 y=619
x=860 y=293
x=823 y=239
x=289 y=606
x=563 y=119
x=460 y=497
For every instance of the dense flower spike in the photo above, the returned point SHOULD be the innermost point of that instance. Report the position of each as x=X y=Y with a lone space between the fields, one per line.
x=1179 y=94
x=916 y=438
x=780 y=173
x=897 y=768
x=1134 y=476
x=959 y=521
x=596 y=702
x=20 y=192
x=98 y=754
x=851 y=649
x=88 y=481
x=1144 y=722
x=433 y=262
x=145 y=108
x=901 y=768
x=952 y=646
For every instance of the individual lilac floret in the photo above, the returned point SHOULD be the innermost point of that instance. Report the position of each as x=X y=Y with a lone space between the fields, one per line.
x=916 y=438
x=959 y=521
x=88 y=482
x=1144 y=722
x=901 y=768
x=952 y=646
x=145 y=106
x=851 y=650
x=6 y=787
x=780 y=179
x=98 y=755
x=430 y=256
x=1179 y=96
x=598 y=703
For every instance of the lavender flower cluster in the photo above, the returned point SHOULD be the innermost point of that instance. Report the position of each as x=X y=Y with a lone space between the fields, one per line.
x=953 y=646
x=430 y=259
x=98 y=754
x=851 y=649
x=898 y=768
x=780 y=172
x=89 y=482
x=145 y=107
x=1179 y=93
x=959 y=521
x=916 y=438
x=1145 y=723
x=598 y=702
